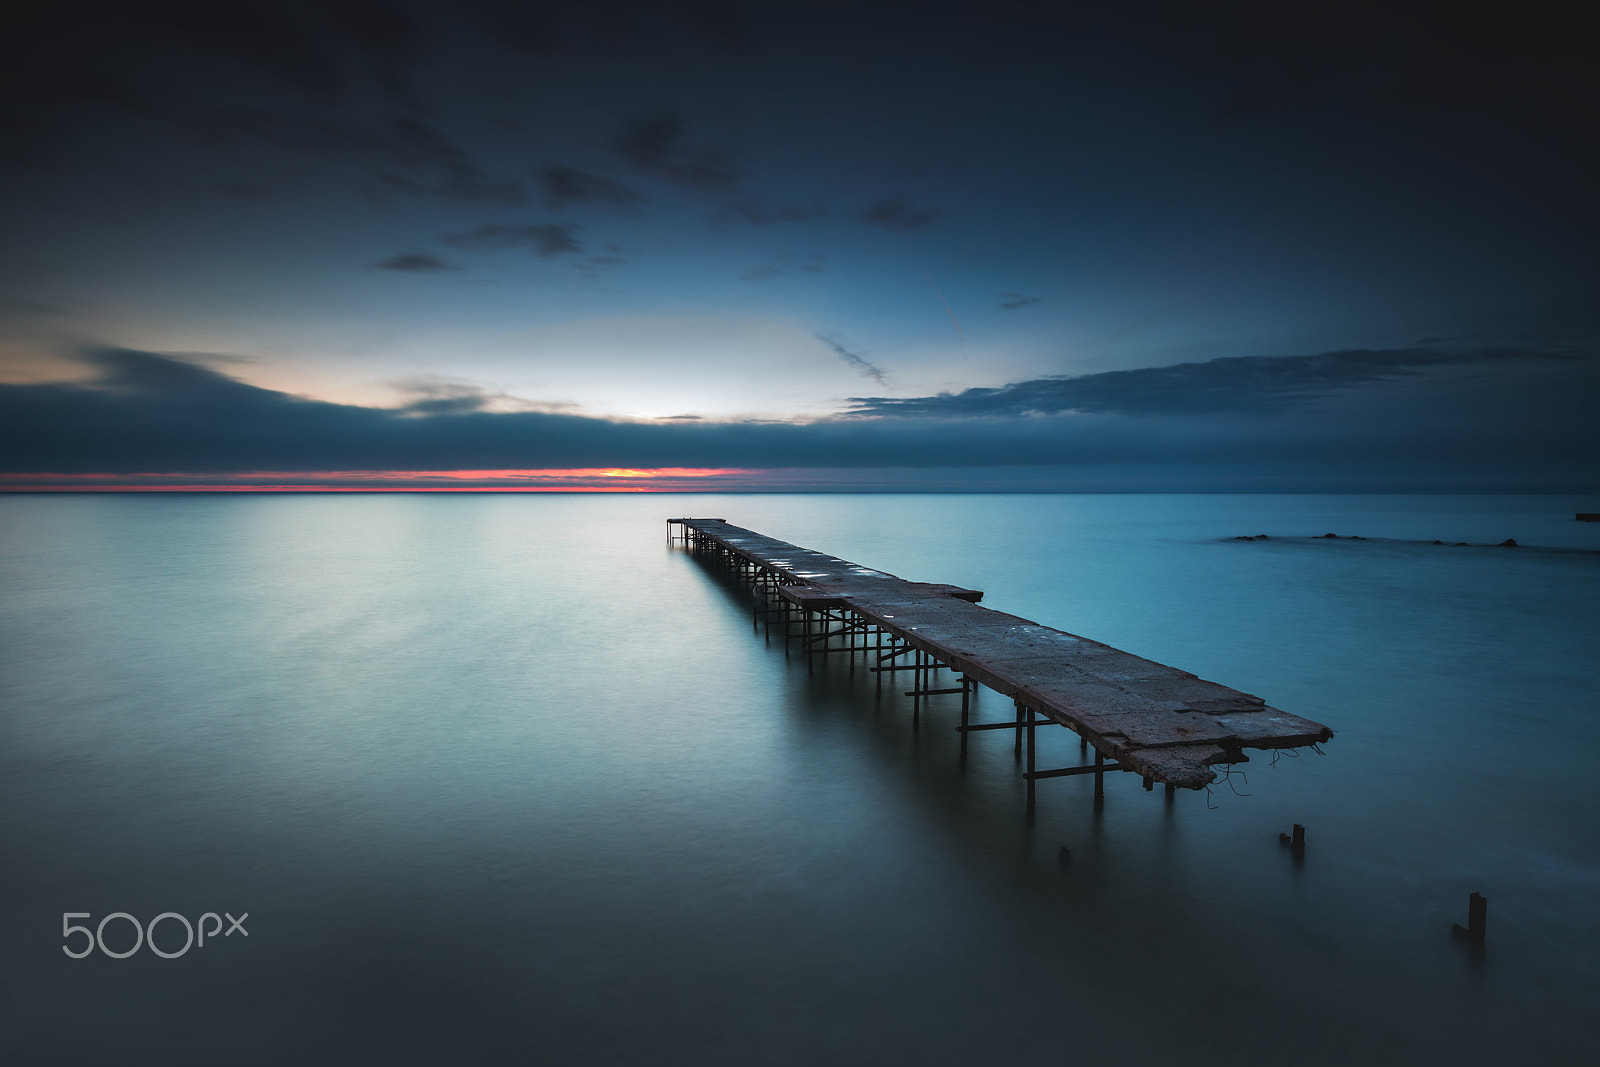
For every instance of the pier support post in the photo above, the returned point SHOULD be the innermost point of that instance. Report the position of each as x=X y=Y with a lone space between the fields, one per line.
x=1099 y=778
x=810 y=660
x=1030 y=760
x=1477 y=919
x=916 y=691
x=966 y=697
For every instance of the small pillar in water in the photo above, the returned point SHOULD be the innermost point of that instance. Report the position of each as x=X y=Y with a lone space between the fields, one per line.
x=1477 y=919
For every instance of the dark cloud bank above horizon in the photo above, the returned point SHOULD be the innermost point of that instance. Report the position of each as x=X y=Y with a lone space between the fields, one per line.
x=1413 y=419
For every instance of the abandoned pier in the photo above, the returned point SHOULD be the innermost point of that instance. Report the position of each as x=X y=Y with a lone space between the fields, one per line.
x=1138 y=715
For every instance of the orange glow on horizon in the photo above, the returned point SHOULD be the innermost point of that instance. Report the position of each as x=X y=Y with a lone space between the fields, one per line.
x=531 y=480
x=572 y=472
x=113 y=488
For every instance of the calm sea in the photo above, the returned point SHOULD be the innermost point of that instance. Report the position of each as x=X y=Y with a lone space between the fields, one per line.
x=508 y=779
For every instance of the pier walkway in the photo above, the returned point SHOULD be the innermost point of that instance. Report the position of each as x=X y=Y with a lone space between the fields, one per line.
x=1164 y=724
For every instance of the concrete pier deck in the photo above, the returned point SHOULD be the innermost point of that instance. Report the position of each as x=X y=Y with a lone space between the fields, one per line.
x=1163 y=723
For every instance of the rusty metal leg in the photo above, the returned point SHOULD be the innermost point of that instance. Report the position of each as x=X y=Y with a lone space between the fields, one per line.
x=1030 y=761
x=810 y=659
x=916 y=692
x=966 y=691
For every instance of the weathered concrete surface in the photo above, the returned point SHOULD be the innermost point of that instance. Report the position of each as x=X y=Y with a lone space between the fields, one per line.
x=1163 y=723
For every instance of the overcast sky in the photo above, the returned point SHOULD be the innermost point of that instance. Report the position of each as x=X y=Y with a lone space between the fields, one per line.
x=998 y=245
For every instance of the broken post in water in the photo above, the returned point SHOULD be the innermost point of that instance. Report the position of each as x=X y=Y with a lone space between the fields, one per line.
x=1156 y=721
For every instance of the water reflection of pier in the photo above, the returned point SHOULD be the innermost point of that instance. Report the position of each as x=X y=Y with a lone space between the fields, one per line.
x=1141 y=716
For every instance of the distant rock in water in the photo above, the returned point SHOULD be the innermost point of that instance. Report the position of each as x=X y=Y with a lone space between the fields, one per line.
x=1510 y=542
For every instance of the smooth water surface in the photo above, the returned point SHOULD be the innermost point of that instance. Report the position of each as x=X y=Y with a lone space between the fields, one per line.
x=509 y=779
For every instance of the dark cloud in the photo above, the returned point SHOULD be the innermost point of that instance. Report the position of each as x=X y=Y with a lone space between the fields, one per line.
x=651 y=141
x=414 y=143
x=854 y=359
x=412 y=261
x=782 y=263
x=1240 y=384
x=655 y=144
x=544 y=239
x=431 y=395
x=1528 y=68
x=566 y=187
x=446 y=401
x=152 y=413
x=1012 y=301
x=398 y=154
x=313 y=83
x=897 y=214
x=762 y=215
x=85 y=55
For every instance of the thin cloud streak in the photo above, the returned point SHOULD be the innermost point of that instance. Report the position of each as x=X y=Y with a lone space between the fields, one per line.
x=897 y=215
x=655 y=144
x=547 y=239
x=566 y=187
x=853 y=359
x=412 y=263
